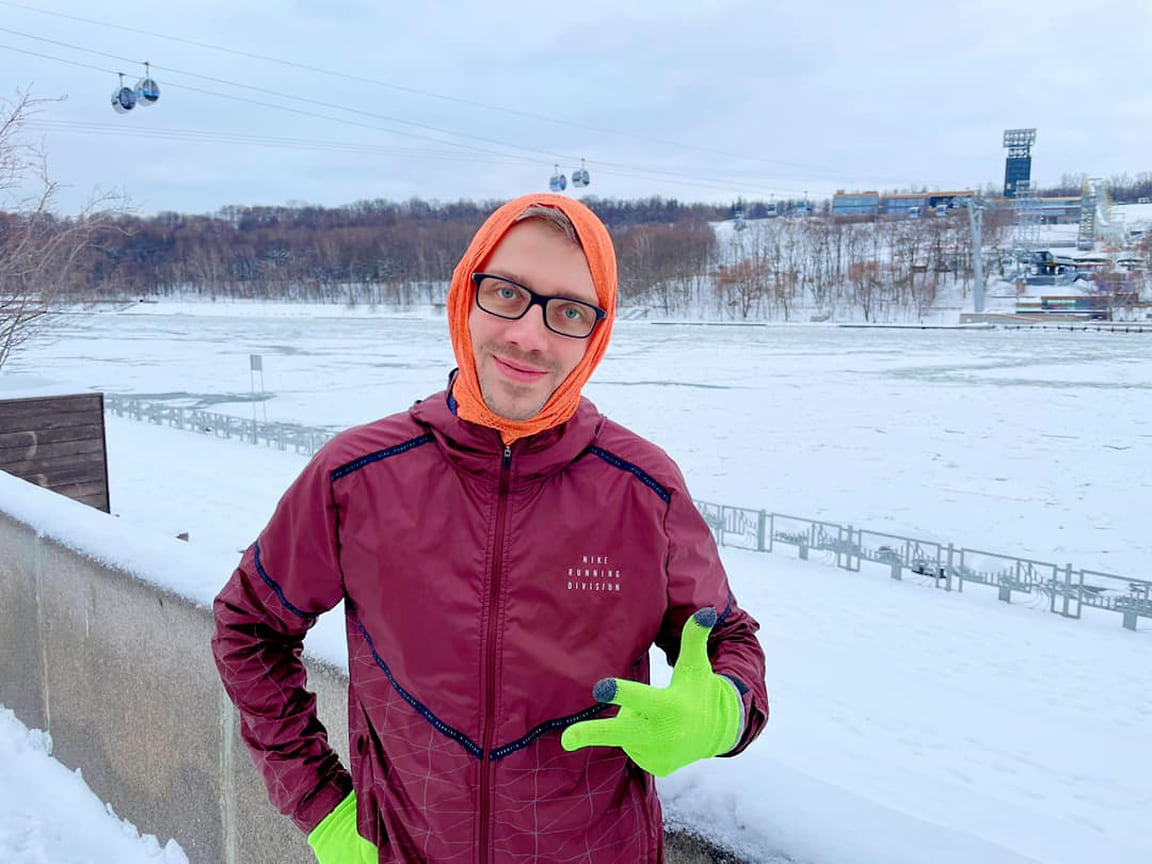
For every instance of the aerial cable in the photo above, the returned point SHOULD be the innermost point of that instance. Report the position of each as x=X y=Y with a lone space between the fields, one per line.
x=281 y=94
x=329 y=104
x=220 y=137
x=288 y=108
x=418 y=92
x=611 y=168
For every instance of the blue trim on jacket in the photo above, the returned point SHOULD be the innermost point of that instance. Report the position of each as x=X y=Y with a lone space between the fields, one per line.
x=634 y=470
x=456 y=735
x=439 y=725
x=559 y=723
x=357 y=464
x=271 y=583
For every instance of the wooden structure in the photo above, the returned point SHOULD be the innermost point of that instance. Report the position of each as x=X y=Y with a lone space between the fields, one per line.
x=57 y=442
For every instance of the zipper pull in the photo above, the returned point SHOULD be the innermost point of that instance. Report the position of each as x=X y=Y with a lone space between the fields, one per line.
x=507 y=453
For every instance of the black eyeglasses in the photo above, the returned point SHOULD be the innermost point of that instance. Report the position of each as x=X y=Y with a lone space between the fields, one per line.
x=507 y=299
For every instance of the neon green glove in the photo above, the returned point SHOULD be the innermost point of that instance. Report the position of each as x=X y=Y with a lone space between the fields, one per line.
x=336 y=841
x=697 y=716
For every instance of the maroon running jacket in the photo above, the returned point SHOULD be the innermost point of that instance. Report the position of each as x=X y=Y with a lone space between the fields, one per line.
x=486 y=590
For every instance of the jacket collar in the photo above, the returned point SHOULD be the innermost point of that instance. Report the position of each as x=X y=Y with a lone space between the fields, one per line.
x=478 y=449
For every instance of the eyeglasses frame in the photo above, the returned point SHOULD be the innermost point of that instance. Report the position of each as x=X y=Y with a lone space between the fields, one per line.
x=535 y=299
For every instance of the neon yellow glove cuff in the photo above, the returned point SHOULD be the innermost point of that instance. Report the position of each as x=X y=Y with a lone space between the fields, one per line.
x=697 y=716
x=336 y=841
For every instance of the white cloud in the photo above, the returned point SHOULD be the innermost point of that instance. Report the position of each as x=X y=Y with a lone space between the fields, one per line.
x=815 y=95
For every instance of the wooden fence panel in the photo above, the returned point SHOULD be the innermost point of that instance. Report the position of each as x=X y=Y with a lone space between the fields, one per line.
x=57 y=442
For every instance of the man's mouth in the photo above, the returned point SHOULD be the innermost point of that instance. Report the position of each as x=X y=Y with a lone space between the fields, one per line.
x=517 y=371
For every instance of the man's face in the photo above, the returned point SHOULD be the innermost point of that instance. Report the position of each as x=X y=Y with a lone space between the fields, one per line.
x=520 y=363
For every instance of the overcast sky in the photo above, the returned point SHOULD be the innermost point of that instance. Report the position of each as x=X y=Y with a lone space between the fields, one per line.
x=701 y=100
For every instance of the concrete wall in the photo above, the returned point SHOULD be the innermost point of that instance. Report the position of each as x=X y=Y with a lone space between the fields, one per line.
x=120 y=673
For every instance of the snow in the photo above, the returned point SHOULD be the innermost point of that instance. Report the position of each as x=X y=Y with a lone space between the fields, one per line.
x=908 y=723
x=1134 y=215
x=49 y=816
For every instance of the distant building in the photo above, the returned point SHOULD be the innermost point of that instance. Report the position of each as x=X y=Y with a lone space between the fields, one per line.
x=1059 y=211
x=904 y=206
x=1062 y=210
x=912 y=205
x=855 y=206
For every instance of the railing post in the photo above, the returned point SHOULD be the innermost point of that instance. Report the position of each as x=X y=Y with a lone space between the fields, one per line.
x=761 y=521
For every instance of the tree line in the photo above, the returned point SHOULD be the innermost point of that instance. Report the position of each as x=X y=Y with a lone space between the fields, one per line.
x=400 y=254
x=372 y=251
x=379 y=252
x=1122 y=188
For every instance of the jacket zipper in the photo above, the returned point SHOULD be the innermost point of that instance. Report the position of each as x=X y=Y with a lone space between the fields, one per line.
x=490 y=664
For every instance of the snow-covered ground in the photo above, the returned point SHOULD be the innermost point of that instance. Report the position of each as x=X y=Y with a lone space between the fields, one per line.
x=49 y=816
x=909 y=724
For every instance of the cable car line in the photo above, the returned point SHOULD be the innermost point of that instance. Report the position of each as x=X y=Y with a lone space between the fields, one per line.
x=358 y=111
x=280 y=93
x=415 y=91
x=610 y=168
x=219 y=137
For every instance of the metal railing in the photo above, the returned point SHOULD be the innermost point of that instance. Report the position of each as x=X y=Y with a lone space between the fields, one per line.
x=282 y=436
x=1067 y=590
x=1063 y=589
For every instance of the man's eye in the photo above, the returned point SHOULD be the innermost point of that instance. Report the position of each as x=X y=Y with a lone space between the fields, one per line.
x=507 y=293
x=573 y=313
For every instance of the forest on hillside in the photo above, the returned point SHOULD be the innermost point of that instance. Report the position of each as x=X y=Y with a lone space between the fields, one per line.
x=675 y=258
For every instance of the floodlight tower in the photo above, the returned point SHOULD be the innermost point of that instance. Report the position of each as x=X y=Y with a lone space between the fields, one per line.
x=1018 y=166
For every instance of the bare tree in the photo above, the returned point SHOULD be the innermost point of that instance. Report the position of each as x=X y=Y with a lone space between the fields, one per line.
x=38 y=250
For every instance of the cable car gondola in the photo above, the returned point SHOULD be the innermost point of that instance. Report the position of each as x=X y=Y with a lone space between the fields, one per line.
x=123 y=98
x=580 y=176
x=557 y=182
x=147 y=90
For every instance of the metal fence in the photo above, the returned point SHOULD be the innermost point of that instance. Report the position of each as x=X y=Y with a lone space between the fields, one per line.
x=1064 y=589
x=282 y=436
x=1061 y=588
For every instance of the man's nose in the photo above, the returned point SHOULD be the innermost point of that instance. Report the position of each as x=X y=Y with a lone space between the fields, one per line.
x=529 y=329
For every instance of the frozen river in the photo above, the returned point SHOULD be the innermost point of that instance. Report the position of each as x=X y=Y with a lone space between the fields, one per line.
x=1030 y=443
x=909 y=725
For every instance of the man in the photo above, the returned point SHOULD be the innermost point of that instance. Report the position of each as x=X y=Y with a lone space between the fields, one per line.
x=506 y=557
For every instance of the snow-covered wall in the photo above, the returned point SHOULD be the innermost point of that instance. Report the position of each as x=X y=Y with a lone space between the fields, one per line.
x=120 y=673
x=104 y=643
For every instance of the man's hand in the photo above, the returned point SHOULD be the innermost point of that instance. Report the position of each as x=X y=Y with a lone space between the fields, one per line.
x=336 y=841
x=697 y=716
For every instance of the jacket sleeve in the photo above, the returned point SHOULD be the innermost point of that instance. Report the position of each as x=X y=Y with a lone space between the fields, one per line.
x=696 y=579
x=286 y=578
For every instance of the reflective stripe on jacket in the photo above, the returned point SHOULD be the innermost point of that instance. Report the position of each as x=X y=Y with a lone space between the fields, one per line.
x=486 y=590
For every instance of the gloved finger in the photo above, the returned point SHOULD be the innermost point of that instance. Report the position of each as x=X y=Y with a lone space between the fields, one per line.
x=694 y=642
x=629 y=695
x=594 y=733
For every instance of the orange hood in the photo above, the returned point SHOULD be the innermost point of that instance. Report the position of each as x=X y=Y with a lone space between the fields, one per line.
x=601 y=262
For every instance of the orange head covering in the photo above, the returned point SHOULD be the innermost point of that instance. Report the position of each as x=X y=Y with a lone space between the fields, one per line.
x=601 y=257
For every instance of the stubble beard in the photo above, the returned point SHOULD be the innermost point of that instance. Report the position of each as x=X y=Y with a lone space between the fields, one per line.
x=505 y=398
